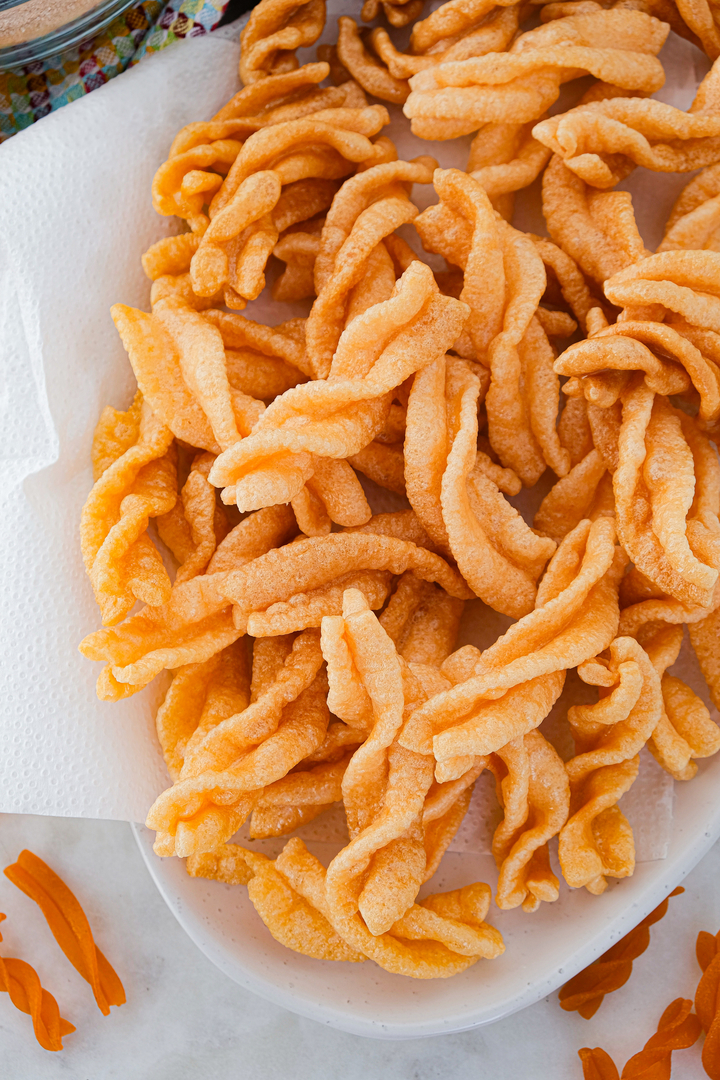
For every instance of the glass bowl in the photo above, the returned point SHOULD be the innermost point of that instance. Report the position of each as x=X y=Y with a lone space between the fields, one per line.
x=33 y=29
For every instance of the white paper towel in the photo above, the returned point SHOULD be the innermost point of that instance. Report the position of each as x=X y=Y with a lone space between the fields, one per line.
x=75 y=216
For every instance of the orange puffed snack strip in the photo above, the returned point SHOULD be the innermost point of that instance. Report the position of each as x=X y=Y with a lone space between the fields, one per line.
x=597 y=1064
x=584 y=994
x=707 y=1000
x=70 y=928
x=21 y=982
x=678 y=1028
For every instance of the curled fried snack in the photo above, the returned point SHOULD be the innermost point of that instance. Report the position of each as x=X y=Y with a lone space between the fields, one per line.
x=196 y=524
x=704 y=637
x=503 y=282
x=422 y=620
x=666 y=497
x=597 y=841
x=352 y=270
x=693 y=220
x=301 y=796
x=275 y=29
x=602 y=140
x=574 y=497
x=242 y=231
x=365 y=68
x=497 y=554
x=298 y=249
x=443 y=935
x=319 y=562
x=464 y=29
x=380 y=871
x=596 y=228
x=397 y=12
x=616 y=46
x=179 y=361
x=134 y=461
x=584 y=993
x=533 y=790
x=576 y=609
x=684 y=282
x=198 y=698
x=21 y=982
x=195 y=624
x=338 y=416
x=503 y=159
x=671 y=364
x=204 y=808
x=69 y=926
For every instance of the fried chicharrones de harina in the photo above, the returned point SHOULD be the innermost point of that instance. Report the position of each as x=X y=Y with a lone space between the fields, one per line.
x=419 y=343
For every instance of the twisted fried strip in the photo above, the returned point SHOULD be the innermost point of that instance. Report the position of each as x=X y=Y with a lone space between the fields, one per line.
x=69 y=926
x=321 y=562
x=504 y=158
x=685 y=282
x=241 y=233
x=533 y=790
x=196 y=524
x=596 y=228
x=584 y=993
x=443 y=935
x=422 y=620
x=135 y=466
x=363 y=66
x=580 y=494
x=299 y=797
x=368 y=208
x=179 y=361
x=198 y=698
x=397 y=12
x=670 y=361
x=342 y=414
x=298 y=249
x=284 y=342
x=250 y=751
x=576 y=609
x=456 y=98
x=503 y=282
x=463 y=30
x=195 y=623
x=496 y=552
x=597 y=840
x=601 y=141
x=275 y=29
x=666 y=497
x=704 y=637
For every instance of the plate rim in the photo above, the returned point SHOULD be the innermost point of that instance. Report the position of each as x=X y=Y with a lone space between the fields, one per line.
x=680 y=860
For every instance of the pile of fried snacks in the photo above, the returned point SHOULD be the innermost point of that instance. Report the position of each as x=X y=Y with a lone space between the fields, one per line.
x=71 y=930
x=311 y=644
x=678 y=1028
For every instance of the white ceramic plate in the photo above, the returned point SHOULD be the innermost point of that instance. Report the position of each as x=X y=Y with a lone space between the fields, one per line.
x=543 y=950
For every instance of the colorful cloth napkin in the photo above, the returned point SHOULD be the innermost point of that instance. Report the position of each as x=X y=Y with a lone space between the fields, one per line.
x=31 y=92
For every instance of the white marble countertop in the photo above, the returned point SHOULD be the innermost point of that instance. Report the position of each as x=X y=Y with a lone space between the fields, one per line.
x=184 y=1020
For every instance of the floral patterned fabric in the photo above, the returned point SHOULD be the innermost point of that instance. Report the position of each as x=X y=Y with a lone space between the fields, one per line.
x=31 y=92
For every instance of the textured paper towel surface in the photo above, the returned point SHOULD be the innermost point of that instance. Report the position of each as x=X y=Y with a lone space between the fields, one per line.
x=75 y=216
